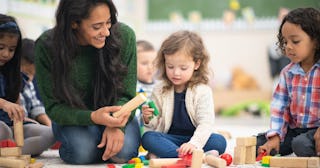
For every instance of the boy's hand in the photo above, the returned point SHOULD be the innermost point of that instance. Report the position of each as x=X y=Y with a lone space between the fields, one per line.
x=272 y=143
x=317 y=141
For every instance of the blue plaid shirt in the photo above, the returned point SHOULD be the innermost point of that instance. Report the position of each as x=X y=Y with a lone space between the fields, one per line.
x=296 y=100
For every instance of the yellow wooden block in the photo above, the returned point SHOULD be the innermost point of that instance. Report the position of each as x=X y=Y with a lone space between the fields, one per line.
x=10 y=151
x=246 y=141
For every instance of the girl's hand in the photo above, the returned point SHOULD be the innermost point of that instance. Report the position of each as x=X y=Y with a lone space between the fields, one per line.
x=147 y=113
x=185 y=149
x=272 y=143
x=15 y=111
x=102 y=117
x=31 y=120
x=113 y=139
x=317 y=141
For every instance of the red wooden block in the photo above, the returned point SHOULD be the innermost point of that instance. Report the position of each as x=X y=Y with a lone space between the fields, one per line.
x=7 y=143
x=186 y=159
x=259 y=157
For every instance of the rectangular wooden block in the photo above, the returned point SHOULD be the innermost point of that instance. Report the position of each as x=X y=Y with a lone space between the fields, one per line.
x=131 y=105
x=314 y=162
x=246 y=141
x=250 y=154
x=239 y=155
x=158 y=163
x=12 y=163
x=10 y=151
x=292 y=162
x=25 y=158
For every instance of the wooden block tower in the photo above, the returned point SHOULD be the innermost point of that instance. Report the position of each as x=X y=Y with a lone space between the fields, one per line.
x=11 y=153
x=245 y=150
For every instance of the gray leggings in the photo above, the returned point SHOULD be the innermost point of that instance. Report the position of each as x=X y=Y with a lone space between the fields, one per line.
x=37 y=137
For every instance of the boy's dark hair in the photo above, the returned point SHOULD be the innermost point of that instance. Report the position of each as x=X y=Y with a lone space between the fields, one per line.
x=309 y=21
x=11 y=70
x=28 y=50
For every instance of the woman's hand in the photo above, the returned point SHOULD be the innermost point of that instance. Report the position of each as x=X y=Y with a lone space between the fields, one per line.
x=113 y=139
x=147 y=113
x=185 y=149
x=102 y=117
x=272 y=143
x=317 y=141
x=15 y=111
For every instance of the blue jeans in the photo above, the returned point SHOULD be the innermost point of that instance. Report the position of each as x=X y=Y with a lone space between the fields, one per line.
x=165 y=145
x=79 y=143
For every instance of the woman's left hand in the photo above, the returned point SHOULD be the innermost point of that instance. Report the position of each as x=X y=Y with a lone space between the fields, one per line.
x=113 y=139
x=317 y=141
x=185 y=149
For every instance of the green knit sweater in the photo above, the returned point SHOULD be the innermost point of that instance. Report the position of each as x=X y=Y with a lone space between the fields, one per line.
x=82 y=73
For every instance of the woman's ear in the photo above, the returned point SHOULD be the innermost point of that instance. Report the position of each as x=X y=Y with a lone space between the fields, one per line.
x=74 y=25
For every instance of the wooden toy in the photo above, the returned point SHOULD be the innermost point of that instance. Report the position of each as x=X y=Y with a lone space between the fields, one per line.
x=157 y=163
x=197 y=158
x=215 y=161
x=245 y=150
x=295 y=162
x=131 y=105
x=18 y=133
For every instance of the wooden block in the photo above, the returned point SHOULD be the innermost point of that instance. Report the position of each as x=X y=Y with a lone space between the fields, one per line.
x=131 y=105
x=12 y=163
x=36 y=165
x=18 y=132
x=25 y=158
x=197 y=157
x=292 y=162
x=250 y=154
x=215 y=161
x=157 y=163
x=314 y=162
x=239 y=155
x=12 y=151
x=246 y=141
x=7 y=143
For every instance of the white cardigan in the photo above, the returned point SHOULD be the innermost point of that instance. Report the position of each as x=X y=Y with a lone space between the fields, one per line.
x=200 y=107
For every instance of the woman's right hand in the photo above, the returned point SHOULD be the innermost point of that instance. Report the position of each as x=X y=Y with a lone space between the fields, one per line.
x=15 y=111
x=272 y=143
x=147 y=113
x=102 y=117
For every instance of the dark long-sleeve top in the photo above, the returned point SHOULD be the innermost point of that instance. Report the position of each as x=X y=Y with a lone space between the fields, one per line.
x=82 y=74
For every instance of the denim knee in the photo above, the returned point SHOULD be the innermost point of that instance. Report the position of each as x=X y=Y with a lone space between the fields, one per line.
x=86 y=154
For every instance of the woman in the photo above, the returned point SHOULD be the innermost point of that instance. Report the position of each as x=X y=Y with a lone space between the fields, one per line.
x=87 y=64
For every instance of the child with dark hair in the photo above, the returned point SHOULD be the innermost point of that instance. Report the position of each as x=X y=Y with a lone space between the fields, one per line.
x=295 y=106
x=37 y=138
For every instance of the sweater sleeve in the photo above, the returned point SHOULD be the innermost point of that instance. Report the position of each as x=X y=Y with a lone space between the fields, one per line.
x=129 y=58
x=58 y=111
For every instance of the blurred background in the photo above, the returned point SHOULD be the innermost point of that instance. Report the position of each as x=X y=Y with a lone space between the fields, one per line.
x=240 y=36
